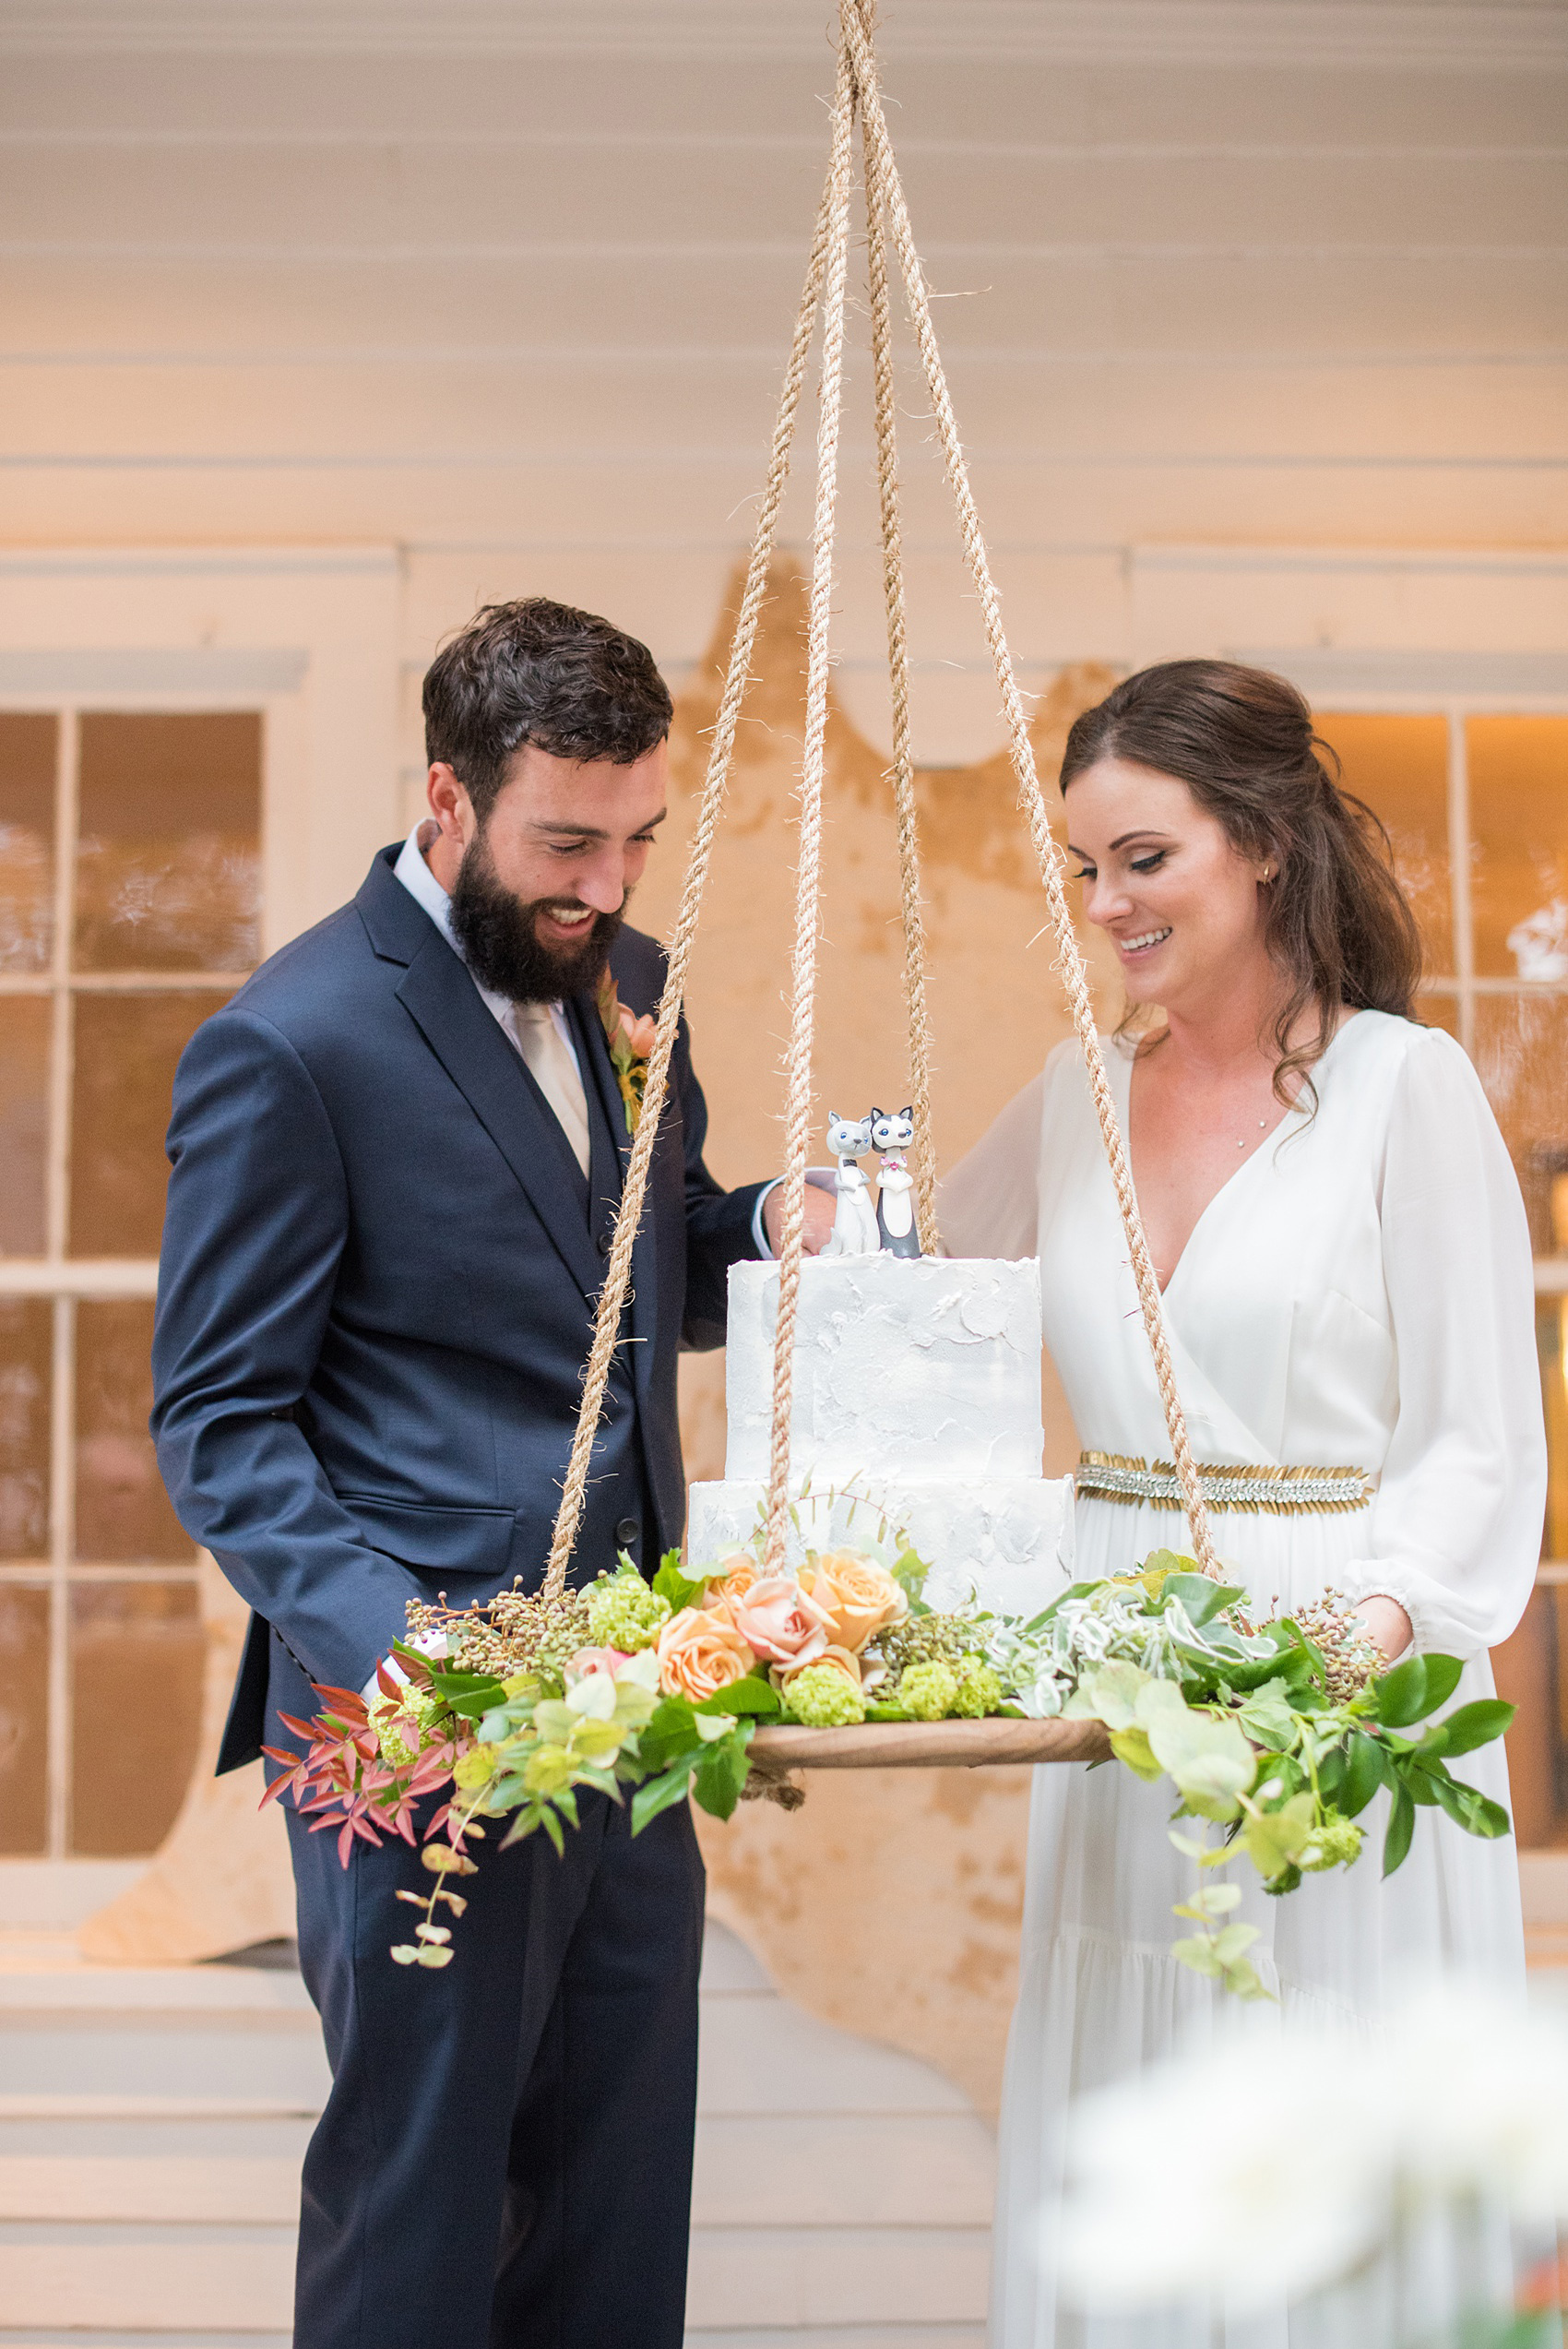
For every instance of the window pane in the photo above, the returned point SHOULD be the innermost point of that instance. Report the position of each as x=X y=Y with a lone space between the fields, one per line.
x=24 y=1111
x=27 y=1327
x=1399 y=766
x=27 y=841
x=1519 y=823
x=168 y=865
x=123 y=1512
x=137 y=1654
x=127 y=1048
x=1434 y=1010
x=1521 y=1057
x=24 y=1707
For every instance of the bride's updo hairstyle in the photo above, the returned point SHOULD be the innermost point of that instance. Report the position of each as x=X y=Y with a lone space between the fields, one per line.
x=1241 y=740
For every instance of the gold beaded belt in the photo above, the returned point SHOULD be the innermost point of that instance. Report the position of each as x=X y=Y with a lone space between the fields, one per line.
x=1275 y=1492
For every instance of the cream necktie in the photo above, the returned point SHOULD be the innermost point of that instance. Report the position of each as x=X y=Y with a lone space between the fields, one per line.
x=556 y=1072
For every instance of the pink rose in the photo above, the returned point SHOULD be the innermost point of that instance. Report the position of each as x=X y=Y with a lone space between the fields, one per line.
x=779 y=1620
x=588 y=1661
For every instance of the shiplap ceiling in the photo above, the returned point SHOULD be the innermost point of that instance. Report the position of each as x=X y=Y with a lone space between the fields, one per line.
x=1428 y=33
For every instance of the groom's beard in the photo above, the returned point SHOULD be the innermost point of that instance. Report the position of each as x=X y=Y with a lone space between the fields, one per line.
x=501 y=945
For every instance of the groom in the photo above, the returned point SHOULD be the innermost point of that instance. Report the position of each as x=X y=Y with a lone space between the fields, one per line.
x=398 y=1155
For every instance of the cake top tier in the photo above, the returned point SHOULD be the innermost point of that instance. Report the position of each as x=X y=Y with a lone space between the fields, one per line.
x=929 y=1365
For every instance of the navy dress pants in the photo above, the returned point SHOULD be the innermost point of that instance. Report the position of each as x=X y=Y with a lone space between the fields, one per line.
x=505 y=2158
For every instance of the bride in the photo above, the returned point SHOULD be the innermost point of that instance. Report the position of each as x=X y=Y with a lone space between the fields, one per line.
x=1345 y=1264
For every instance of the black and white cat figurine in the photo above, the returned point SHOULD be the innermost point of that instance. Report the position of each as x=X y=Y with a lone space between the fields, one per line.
x=892 y=1131
x=855 y=1229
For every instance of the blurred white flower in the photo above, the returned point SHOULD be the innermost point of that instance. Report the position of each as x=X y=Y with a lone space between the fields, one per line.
x=1264 y=2165
x=1479 y=2086
x=1247 y=2175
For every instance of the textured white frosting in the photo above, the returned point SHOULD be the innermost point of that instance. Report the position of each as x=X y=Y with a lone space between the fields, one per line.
x=1008 y=1537
x=928 y=1368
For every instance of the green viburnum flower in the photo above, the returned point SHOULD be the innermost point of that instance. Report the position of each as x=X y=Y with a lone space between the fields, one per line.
x=820 y=1697
x=416 y=1705
x=929 y=1691
x=979 y=1688
x=1335 y=1843
x=624 y=1613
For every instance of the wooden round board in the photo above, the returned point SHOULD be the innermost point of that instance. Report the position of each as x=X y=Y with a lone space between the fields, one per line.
x=919 y=1745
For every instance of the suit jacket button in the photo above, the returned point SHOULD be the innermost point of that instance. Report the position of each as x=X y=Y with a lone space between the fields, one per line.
x=627 y=1531
x=603 y=1244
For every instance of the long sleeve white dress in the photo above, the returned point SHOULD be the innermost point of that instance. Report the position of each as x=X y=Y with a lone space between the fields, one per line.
x=1359 y=1294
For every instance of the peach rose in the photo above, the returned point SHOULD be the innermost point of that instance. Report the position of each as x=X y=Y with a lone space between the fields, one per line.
x=729 y=1579
x=639 y=1029
x=839 y=1659
x=700 y=1653
x=859 y=1597
x=779 y=1620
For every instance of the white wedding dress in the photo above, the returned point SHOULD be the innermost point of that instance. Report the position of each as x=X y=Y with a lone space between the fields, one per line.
x=1359 y=1294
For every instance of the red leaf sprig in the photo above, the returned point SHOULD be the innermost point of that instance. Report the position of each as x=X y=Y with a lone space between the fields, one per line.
x=343 y=1779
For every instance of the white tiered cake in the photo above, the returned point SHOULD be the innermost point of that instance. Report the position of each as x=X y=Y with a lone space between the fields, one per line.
x=916 y=1397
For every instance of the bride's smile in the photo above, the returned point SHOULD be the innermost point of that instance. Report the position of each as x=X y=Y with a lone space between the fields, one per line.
x=1178 y=900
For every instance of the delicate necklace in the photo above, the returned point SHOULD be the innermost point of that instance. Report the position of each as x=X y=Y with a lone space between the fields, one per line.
x=1263 y=1127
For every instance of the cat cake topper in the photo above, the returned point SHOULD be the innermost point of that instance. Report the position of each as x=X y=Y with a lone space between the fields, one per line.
x=892 y=1131
x=855 y=1229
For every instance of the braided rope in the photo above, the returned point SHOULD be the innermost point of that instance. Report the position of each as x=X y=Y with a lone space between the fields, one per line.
x=1031 y=799
x=808 y=879
x=899 y=679
x=618 y=1273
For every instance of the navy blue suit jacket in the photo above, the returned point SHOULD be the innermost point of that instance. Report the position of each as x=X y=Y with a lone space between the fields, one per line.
x=379 y=1271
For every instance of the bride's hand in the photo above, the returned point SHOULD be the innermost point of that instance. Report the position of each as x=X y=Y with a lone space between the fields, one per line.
x=1388 y=1626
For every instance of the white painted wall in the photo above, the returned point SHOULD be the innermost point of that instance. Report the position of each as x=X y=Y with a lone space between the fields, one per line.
x=508 y=287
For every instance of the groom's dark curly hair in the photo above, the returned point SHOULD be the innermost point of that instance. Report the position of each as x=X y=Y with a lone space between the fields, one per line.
x=543 y=674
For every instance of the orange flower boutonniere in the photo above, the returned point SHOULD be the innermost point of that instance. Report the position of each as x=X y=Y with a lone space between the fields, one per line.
x=630 y=1036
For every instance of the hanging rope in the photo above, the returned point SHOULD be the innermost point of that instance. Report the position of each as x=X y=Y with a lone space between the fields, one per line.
x=808 y=878
x=857 y=91
x=618 y=1273
x=1052 y=871
x=899 y=679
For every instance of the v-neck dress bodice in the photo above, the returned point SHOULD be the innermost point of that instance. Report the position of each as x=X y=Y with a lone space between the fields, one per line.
x=1359 y=1294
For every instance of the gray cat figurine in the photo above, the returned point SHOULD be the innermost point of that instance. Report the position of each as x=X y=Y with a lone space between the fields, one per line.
x=854 y=1221
x=892 y=1131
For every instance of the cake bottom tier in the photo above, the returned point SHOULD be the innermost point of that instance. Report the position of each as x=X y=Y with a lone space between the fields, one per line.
x=1009 y=1538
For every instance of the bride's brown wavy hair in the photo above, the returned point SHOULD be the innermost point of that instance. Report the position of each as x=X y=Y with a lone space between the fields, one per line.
x=1242 y=741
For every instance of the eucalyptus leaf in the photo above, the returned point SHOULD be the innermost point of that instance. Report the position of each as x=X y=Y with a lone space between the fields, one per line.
x=1207 y=1756
x=1276 y=1839
x=1266 y=1716
x=1197 y=1953
x=1198 y=1595
x=1113 y=1692
x=1132 y=1746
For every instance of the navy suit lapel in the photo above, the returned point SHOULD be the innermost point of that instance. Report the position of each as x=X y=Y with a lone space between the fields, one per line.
x=442 y=999
x=609 y=1125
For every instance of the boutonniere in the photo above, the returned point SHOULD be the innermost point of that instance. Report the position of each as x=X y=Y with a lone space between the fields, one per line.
x=630 y=1036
